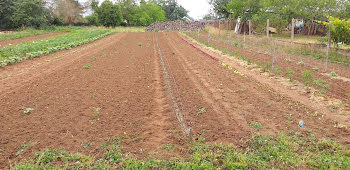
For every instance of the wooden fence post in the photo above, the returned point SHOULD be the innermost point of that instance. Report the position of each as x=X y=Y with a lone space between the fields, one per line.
x=328 y=44
x=274 y=53
x=267 y=29
x=293 y=23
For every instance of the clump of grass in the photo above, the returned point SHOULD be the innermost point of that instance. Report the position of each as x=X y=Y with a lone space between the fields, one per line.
x=201 y=111
x=87 y=66
x=267 y=67
x=307 y=77
x=28 y=111
x=290 y=73
x=257 y=126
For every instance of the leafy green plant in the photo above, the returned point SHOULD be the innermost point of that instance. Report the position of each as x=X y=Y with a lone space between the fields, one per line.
x=249 y=61
x=333 y=74
x=267 y=67
x=236 y=44
x=28 y=111
x=139 y=44
x=322 y=86
x=94 y=58
x=87 y=66
x=307 y=77
x=288 y=60
x=315 y=69
x=276 y=70
x=225 y=51
x=168 y=147
x=290 y=73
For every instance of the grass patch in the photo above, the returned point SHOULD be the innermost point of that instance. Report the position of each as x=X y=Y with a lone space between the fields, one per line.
x=293 y=150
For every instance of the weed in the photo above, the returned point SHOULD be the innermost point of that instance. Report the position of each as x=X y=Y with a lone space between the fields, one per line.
x=241 y=56
x=87 y=66
x=88 y=144
x=288 y=60
x=96 y=112
x=94 y=58
x=318 y=56
x=24 y=146
x=300 y=63
x=315 y=69
x=225 y=51
x=269 y=103
x=236 y=44
x=168 y=147
x=267 y=67
x=322 y=86
x=201 y=111
x=174 y=53
x=290 y=73
x=257 y=126
x=139 y=44
x=333 y=74
x=28 y=111
x=249 y=61
x=276 y=70
x=307 y=77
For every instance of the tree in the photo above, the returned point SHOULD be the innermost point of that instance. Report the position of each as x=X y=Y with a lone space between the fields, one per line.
x=70 y=11
x=147 y=14
x=109 y=14
x=173 y=11
x=6 y=11
x=128 y=8
x=219 y=7
x=29 y=13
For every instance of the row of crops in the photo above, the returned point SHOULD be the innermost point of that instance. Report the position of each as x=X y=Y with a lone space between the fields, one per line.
x=27 y=50
x=33 y=32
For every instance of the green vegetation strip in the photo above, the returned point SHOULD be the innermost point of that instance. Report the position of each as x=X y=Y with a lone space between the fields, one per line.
x=27 y=50
x=32 y=32
x=286 y=151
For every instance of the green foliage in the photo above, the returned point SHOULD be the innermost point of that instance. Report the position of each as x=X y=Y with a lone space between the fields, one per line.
x=340 y=32
x=290 y=73
x=307 y=77
x=292 y=151
x=109 y=14
x=93 y=19
x=31 y=32
x=173 y=10
x=267 y=67
x=276 y=70
x=87 y=66
x=333 y=74
x=147 y=14
x=16 y=53
x=201 y=111
x=322 y=86
x=257 y=126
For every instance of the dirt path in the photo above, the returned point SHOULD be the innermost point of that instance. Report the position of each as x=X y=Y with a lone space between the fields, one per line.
x=27 y=39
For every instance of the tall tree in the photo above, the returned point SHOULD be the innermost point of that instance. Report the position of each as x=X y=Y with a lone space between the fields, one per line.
x=29 y=13
x=69 y=10
x=109 y=14
x=219 y=7
x=6 y=11
x=147 y=14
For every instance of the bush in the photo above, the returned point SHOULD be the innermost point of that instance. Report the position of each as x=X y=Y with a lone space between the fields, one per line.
x=340 y=32
x=307 y=77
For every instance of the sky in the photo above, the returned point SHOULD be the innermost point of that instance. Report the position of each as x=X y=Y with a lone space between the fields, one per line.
x=197 y=8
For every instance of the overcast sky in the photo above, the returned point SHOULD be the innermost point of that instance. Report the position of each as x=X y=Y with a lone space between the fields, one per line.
x=197 y=8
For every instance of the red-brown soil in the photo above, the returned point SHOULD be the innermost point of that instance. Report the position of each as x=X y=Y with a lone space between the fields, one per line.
x=27 y=39
x=339 y=88
x=128 y=83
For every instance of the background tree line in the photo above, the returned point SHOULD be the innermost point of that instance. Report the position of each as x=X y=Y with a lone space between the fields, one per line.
x=281 y=12
x=39 y=13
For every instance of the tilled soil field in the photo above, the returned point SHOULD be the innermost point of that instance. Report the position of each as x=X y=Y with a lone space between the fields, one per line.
x=27 y=39
x=132 y=85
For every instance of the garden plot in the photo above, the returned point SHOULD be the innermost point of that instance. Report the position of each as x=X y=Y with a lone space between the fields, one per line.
x=115 y=103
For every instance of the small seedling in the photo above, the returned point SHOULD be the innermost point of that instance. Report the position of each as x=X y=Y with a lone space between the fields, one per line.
x=174 y=53
x=288 y=60
x=94 y=58
x=290 y=73
x=88 y=144
x=96 y=112
x=28 y=111
x=201 y=111
x=315 y=69
x=300 y=63
x=307 y=77
x=322 y=86
x=269 y=103
x=236 y=44
x=87 y=66
x=333 y=74
x=168 y=147
x=225 y=51
x=257 y=126
x=139 y=44
x=277 y=70
x=249 y=61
